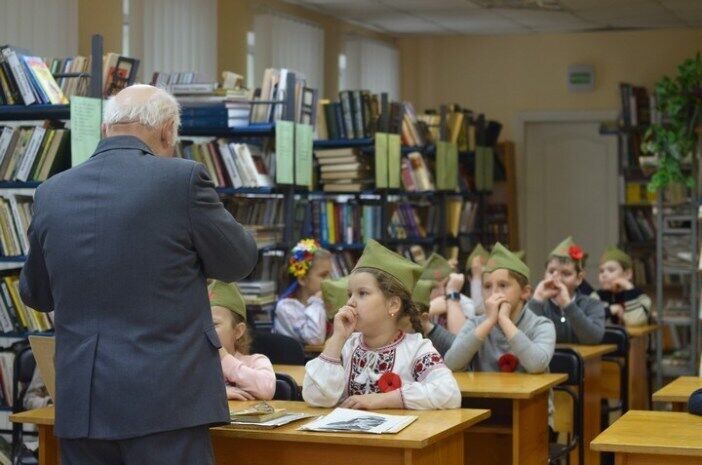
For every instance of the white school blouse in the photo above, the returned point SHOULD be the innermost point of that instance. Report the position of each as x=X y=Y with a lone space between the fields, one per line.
x=306 y=324
x=426 y=382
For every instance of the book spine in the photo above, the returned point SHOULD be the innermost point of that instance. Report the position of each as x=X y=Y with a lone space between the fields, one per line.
x=30 y=154
x=358 y=113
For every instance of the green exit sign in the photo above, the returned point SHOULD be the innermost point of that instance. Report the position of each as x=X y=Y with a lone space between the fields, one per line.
x=581 y=78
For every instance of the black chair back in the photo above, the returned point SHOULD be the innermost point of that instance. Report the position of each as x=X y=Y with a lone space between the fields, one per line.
x=23 y=371
x=281 y=350
x=569 y=362
x=618 y=336
x=286 y=388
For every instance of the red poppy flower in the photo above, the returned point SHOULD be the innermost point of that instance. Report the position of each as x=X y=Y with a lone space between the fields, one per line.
x=389 y=382
x=508 y=363
x=575 y=252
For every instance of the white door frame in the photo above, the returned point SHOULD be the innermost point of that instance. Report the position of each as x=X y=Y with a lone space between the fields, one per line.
x=521 y=119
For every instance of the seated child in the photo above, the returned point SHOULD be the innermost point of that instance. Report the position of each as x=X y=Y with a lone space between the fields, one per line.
x=475 y=263
x=369 y=362
x=448 y=306
x=509 y=336
x=579 y=319
x=624 y=304
x=300 y=312
x=246 y=376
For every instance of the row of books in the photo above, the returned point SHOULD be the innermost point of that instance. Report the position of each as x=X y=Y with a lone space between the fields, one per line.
x=33 y=152
x=406 y=222
x=415 y=174
x=460 y=216
x=639 y=225
x=118 y=72
x=262 y=217
x=231 y=164
x=273 y=94
x=638 y=108
x=14 y=315
x=345 y=222
x=184 y=82
x=15 y=217
x=26 y=80
x=354 y=116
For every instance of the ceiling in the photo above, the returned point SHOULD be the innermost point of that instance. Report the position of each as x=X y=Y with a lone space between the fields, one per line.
x=448 y=17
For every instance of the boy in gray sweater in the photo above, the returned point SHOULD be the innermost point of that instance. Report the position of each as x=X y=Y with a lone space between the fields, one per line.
x=508 y=337
x=578 y=318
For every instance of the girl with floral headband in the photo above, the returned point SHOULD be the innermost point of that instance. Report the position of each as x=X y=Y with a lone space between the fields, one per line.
x=300 y=312
x=579 y=319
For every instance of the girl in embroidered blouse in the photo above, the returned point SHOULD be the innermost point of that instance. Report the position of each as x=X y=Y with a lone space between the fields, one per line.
x=300 y=312
x=369 y=363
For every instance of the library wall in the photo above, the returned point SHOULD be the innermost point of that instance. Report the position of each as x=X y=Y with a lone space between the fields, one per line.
x=503 y=75
x=235 y=19
x=101 y=17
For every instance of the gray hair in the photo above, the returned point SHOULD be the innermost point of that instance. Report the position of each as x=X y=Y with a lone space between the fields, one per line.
x=159 y=108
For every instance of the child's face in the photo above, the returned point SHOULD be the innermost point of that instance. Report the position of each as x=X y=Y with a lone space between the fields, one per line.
x=227 y=331
x=501 y=283
x=318 y=272
x=565 y=273
x=610 y=272
x=372 y=308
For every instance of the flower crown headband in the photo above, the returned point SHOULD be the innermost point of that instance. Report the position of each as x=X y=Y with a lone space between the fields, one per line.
x=301 y=257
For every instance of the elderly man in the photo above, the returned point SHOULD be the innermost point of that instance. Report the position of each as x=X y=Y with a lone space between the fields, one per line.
x=121 y=247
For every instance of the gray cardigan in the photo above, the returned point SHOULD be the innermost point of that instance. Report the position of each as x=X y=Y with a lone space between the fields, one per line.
x=533 y=345
x=584 y=319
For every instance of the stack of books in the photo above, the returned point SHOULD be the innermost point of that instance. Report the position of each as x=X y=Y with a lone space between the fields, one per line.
x=33 y=152
x=26 y=80
x=344 y=170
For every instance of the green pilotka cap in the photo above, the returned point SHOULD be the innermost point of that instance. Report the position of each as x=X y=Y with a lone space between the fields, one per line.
x=501 y=258
x=569 y=249
x=520 y=254
x=422 y=291
x=227 y=295
x=615 y=254
x=335 y=294
x=478 y=251
x=436 y=268
x=380 y=258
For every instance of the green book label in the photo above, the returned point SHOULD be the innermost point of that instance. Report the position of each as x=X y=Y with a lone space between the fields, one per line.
x=86 y=119
x=394 y=155
x=303 y=155
x=284 y=145
x=446 y=166
x=381 y=160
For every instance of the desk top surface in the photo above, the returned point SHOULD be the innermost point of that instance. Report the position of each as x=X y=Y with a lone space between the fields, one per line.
x=678 y=390
x=589 y=352
x=650 y=432
x=431 y=426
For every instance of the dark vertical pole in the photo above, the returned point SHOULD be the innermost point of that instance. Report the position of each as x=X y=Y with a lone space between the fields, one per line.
x=96 y=66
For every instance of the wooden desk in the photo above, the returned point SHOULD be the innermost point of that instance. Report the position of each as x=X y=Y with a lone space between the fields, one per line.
x=648 y=438
x=435 y=437
x=638 y=373
x=314 y=349
x=517 y=432
x=296 y=372
x=592 y=356
x=678 y=392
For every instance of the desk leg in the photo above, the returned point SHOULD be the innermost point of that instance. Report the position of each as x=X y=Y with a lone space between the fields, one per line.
x=591 y=426
x=516 y=433
x=530 y=431
x=48 y=446
x=638 y=377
